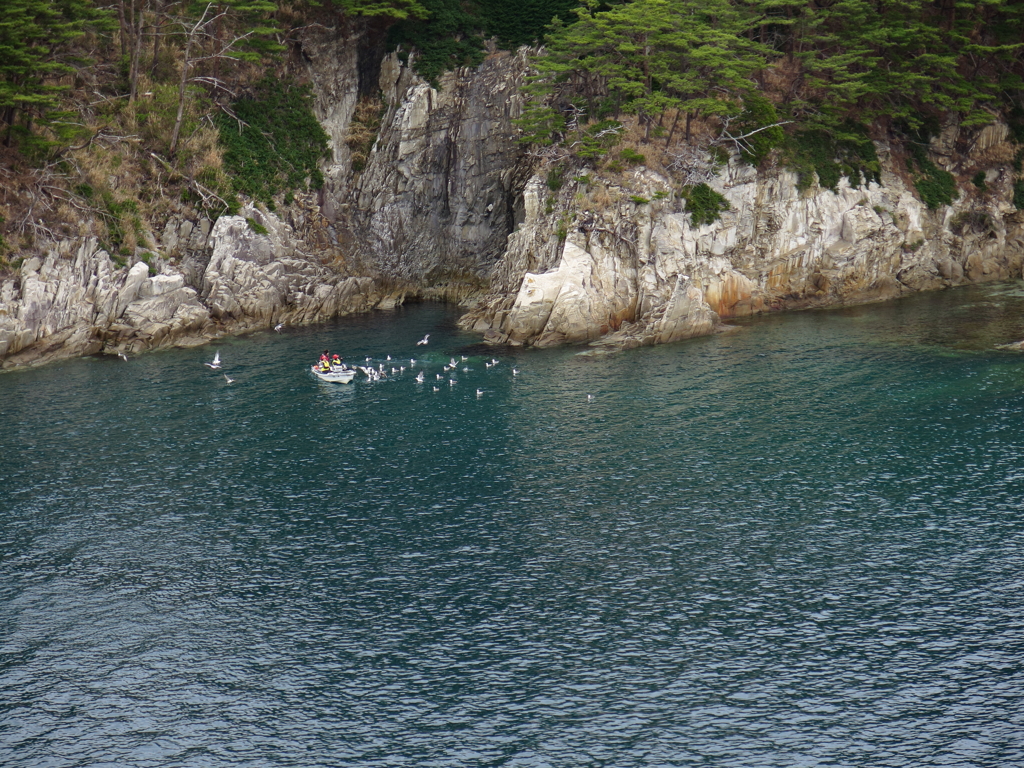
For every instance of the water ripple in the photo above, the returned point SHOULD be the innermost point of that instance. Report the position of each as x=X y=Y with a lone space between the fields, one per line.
x=799 y=544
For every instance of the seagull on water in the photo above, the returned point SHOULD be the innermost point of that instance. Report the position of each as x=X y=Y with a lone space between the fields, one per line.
x=479 y=393
x=437 y=389
x=422 y=342
x=439 y=377
x=216 y=361
x=229 y=379
x=451 y=382
x=515 y=371
x=590 y=398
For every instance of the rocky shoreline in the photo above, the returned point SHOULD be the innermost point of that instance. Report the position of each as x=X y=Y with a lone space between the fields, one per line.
x=76 y=301
x=631 y=269
x=449 y=206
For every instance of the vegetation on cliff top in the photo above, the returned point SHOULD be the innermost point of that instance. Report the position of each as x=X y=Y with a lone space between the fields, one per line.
x=138 y=99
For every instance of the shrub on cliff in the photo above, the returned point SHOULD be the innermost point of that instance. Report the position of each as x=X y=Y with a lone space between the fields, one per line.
x=829 y=155
x=935 y=186
x=704 y=204
x=275 y=144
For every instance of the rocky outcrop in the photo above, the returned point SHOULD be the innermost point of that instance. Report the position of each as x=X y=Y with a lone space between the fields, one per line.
x=434 y=204
x=617 y=261
x=255 y=279
x=77 y=301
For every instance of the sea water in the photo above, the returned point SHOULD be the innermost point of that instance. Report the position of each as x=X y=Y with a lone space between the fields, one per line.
x=800 y=543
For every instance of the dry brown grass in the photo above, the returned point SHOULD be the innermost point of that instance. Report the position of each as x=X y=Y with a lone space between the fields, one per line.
x=600 y=198
x=71 y=193
x=363 y=130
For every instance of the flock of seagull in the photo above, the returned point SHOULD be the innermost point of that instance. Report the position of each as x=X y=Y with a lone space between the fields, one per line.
x=382 y=371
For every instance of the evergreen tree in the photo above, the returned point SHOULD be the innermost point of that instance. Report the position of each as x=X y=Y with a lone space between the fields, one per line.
x=36 y=53
x=652 y=56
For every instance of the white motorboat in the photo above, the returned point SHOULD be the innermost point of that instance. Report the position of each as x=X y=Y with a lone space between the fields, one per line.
x=337 y=375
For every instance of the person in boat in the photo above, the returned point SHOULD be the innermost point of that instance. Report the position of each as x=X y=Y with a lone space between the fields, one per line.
x=337 y=363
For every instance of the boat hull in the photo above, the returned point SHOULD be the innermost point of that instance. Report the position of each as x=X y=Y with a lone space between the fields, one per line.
x=337 y=377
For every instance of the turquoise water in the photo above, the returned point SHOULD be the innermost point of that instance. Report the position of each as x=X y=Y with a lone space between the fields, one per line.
x=797 y=544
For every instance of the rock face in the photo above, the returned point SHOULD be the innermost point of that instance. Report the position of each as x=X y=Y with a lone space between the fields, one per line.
x=434 y=204
x=596 y=264
x=255 y=280
x=76 y=301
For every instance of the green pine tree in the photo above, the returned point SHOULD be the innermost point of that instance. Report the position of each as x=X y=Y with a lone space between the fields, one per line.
x=36 y=54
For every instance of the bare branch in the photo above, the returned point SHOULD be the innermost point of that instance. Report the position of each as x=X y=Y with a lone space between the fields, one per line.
x=214 y=81
x=230 y=113
x=695 y=165
x=108 y=137
x=204 y=192
x=740 y=141
x=223 y=53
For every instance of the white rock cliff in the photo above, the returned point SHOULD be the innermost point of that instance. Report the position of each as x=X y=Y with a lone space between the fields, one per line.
x=622 y=272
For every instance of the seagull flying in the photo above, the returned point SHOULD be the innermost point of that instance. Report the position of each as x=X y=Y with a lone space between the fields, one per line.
x=278 y=327
x=422 y=342
x=419 y=377
x=216 y=361
x=229 y=379
x=123 y=356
